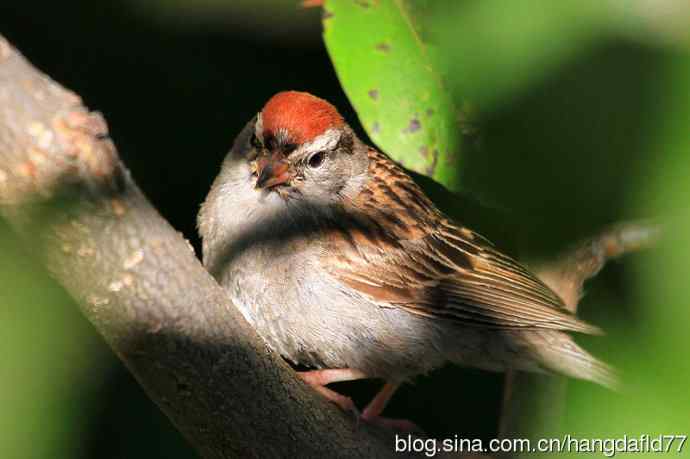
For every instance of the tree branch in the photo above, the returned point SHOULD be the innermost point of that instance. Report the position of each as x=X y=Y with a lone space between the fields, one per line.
x=533 y=404
x=63 y=188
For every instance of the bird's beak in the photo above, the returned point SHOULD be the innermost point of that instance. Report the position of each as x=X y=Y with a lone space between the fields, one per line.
x=271 y=171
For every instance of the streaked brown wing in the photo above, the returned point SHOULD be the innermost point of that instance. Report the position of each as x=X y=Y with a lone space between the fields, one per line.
x=450 y=273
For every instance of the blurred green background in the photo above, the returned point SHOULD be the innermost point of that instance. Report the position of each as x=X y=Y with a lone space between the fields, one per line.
x=565 y=115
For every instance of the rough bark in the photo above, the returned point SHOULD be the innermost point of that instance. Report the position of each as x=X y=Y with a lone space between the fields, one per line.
x=64 y=189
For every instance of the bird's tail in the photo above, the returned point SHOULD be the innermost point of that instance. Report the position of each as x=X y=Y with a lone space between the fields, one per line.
x=564 y=356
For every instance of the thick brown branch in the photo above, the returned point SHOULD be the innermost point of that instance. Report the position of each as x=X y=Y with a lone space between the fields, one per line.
x=64 y=189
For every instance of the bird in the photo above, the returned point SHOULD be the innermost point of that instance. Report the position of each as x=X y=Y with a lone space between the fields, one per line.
x=342 y=264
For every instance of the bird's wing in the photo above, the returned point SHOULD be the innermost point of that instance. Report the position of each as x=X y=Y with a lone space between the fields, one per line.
x=450 y=273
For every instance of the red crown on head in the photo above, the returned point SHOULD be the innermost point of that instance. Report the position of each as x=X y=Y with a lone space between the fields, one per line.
x=303 y=116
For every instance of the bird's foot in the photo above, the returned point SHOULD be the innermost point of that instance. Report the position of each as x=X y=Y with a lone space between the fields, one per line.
x=372 y=413
x=345 y=403
x=318 y=379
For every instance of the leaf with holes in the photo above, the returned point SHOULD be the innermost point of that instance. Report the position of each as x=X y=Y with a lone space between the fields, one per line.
x=389 y=74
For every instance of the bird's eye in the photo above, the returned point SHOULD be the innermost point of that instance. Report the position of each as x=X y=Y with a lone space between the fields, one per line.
x=254 y=141
x=316 y=160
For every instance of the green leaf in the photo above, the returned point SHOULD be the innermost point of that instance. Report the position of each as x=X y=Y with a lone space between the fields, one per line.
x=394 y=83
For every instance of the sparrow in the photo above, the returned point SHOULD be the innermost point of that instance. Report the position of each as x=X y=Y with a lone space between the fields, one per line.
x=341 y=263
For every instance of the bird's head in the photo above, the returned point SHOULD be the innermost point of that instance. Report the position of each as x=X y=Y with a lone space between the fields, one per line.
x=301 y=146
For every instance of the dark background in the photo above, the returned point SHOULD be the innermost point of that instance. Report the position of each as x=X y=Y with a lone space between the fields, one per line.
x=562 y=157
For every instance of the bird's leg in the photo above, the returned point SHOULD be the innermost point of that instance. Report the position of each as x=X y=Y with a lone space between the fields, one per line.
x=372 y=412
x=330 y=375
x=318 y=379
x=379 y=402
